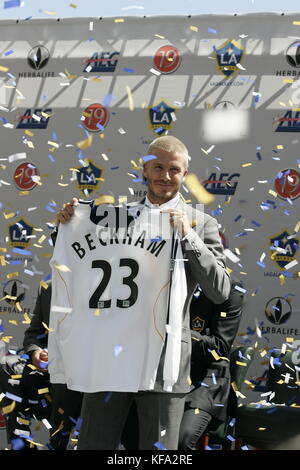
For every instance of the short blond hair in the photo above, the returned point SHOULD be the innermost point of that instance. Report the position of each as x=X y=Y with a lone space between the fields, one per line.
x=171 y=144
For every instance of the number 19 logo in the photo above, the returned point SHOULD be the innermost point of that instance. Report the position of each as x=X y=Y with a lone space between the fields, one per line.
x=24 y=176
x=167 y=59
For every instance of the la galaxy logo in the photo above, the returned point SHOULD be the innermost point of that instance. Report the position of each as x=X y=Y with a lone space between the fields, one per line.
x=161 y=117
x=102 y=62
x=198 y=324
x=288 y=247
x=34 y=119
x=289 y=122
x=18 y=233
x=89 y=177
x=228 y=56
x=225 y=184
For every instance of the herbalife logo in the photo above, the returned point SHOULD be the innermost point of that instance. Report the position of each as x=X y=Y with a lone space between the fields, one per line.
x=38 y=57
x=278 y=310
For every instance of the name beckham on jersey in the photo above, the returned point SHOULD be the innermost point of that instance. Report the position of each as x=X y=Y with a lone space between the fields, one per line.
x=108 y=236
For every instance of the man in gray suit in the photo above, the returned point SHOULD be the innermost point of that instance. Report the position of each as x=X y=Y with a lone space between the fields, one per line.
x=160 y=411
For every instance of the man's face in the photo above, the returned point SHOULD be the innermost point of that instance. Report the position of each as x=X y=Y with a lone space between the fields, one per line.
x=164 y=175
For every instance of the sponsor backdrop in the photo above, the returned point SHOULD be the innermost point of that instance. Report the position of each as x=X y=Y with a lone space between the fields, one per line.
x=81 y=99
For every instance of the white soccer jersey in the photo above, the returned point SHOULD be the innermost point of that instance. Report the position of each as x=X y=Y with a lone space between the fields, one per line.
x=109 y=301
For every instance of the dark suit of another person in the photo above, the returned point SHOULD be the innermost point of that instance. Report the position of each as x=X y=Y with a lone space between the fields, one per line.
x=211 y=331
x=60 y=406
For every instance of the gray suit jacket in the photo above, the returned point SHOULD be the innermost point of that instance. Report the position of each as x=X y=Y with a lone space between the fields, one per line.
x=206 y=266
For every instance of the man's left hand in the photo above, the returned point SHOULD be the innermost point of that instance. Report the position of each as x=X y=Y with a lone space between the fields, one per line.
x=178 y=220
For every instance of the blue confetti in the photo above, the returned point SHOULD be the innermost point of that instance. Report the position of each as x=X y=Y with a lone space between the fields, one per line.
x=43 y=365
x=255 y=223
x=258 y=155
x=147 y=158
x=54 y=136
x=211 y=30
x=237 y=218
x=17 y=444
x=262 y=265
x=12 y=3
x=21 y=251
x=160 y=446
x=107 y=100
x=14 y=397
x=51 y=158
x=8 y=52
x=78 y=424
x=16 y=262
x=100 y=126
x=107 y=397
x=137 y=180
x=114 y=167
x=156 y=239
x=158 y=130
x=128 y=70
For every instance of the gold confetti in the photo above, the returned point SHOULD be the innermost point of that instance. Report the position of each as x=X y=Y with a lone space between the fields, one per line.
x=159 y=36
x=97 y=312
x=197 y=411
x=43 y=390
x=215 y=355
x=246 y=164
x=3 y=250
x=13 y=322
x=31 y=366
x=26 y=422
x=223 y=314
x=280 y=147
x=10 y=275
x=46 y=327
x=44 y=284
x=297 y=23
x=234 y=386
x=23 y=193
x=297 y=227
x=262 y=429
x=9 y=408
x=244 y=364
x=6 y=339
x=119 y=20
x=3 y=69
x=130 y=98
x=197 y=189
x=281 y=279
x=27 y=319
x=86 y=143
x=194 y=223
x=194 y=28
x=33 y=443
x=63 y=268
x=27 y=132
x=289 y=340
x=42 y=238
x=19 y=376
x=18 y=305
x=104 y=199
x=9 y=215
x=3 y=261
x=273 y=193
x=263 y=352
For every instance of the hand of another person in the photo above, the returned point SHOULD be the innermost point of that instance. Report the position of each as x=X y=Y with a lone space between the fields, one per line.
x=179 y=220
x=39 y=359
x=65 y=214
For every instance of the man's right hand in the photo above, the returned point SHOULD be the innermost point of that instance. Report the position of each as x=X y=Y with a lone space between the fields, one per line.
x=65 y=214
x=40 y=356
